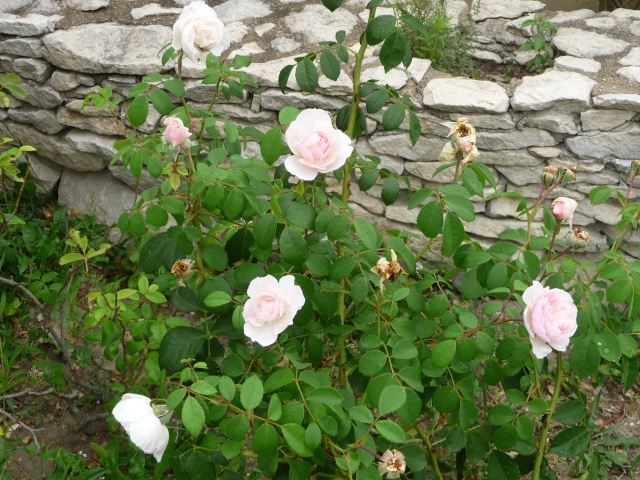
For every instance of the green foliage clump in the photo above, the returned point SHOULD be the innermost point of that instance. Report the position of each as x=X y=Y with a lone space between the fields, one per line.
x=448 y=46
x=542 y=31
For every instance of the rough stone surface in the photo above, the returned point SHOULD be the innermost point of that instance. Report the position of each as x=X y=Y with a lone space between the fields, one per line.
x=33 y=68
x=568 y=91
x=399 y=144
x=63 y=81
x=395 y=77
x=97 y=193
x=601 y=23
x=28 y=26
x=325 y=23
x=490 y=122
x=509 y=158
x=604 y=119
x=517 y=139
x=273 y=99
x=89 y=142
x=632 y=73
x=586 y=65
x=262 y=30
x=622 y=144
x=552 y=121
x=56 y=149
x=247 y=49
x=43 y=120
x=632 y=58
x=418 y=68
x=546 y=152
x=624 y=101
x=101 y=125
x=504 y=8
x=285 y=45
x=152 y=9
x=240 y=10
x=106 y=47
x=582 y=43
x=565 y=17
x=41 y=96
x=46 y=173
x=87 y=5
x=12 y=6
x=23 y=47
x=461 y=94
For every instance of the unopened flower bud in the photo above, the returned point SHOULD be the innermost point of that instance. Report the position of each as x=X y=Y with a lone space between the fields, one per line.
x=635 y=167
x=392 y=463
x=548 y=176
x=569 y=175
x=182 y=269
x=579 y=237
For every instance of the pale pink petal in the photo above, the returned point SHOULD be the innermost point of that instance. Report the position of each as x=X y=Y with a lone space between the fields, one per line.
x=303 y=172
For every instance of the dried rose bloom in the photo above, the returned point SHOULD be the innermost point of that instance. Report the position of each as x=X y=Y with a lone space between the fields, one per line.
x=388 y=270
x=392 y=464
x=548 y=176
x=182 y=269
x=463 y=140
x=579 y=237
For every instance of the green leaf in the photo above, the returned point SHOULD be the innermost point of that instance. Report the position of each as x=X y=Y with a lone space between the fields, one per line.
x=391 y=431
x=329 y=64
x=393 y=50
x=380 y=28
x=216 y=299
x=71 y=257
x=570 y=442
x=293 y=247
x=278 y=379
x=502 y=467
x=377 y=100
x=431 y=219
x=271 y=145
x=241 y=61
x=178 y=344
x=584 y=357
x=203 y=388
x=599 y=195
x=161 y=101
x=392 y=398
x=283 y=77
x=193 y=416
x=233 y=204
x=264 y=231
x=227 y=388
x=313 y=436
x=372 y=362
x=393 y=117
x=446 y=399
x=307 y=75
x=294 y=435
x=619 y=291
x=366 y=232
x=608 y=345
x=175 y=86
x=415 y=129
x=251 y=393
x=368 y=179
x=325 y=395
x=461 y=206
x=215 y=257
x=157 y=216
x=570 y=412
x=138 y=110
x=287 y=115
x=452 y=235
x=390 y=190
x=175 y=398
x=360 y=413
x=443 y=353
x=265 y=440
x=332 y=5
x=501 y=415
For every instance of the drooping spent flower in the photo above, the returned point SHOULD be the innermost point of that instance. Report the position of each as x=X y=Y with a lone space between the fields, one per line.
x=316 y=147
x=388 y=270
x=271 y=306
x=175 y=133
x=392 y=463
x=182 y=269
x=463 y=140
x=578 y=237
x=198 y=30
x=550 y=317
x=140 y=421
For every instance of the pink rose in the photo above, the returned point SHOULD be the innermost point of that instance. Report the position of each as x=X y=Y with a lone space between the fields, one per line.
x=549 y=317
x=175 y=133
x=271 y=307
x=315 y=145
x=563 y=208
x=199 y=29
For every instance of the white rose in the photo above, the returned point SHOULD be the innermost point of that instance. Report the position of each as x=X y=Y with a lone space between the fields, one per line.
x=271 y=307
x=315 y=145
x=136 y=415
x=198 y=29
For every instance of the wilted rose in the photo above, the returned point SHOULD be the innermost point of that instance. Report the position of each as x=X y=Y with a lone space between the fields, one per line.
x=316 y=147
x=198 y=29
x=182 y=269
x=392 y=463
x=175 y=133
x=137 y=416
x=549 y=317
x=579 y=237
x=271 y=307
x=463 y=141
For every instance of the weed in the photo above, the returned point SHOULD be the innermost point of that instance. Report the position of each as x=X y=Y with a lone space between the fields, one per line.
x=542 y=31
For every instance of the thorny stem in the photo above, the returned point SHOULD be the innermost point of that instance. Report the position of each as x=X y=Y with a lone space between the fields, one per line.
x=542 y=443
x=432 y=455
x=553 y=239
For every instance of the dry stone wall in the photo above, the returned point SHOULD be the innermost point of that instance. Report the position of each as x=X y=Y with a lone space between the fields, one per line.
x=583 y=112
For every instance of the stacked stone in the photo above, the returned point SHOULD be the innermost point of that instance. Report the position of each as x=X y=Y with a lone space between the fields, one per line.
x=570 y=115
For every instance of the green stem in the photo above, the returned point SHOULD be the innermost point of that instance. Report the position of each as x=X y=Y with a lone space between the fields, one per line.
x=542 y=443
x=432 y=455
x=342 y=360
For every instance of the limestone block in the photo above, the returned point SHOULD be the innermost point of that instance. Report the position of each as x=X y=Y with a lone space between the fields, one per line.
x=582 y=43
x=99 y=145
x=557 y=122
x=604 y=177
x=419 y=67
x=41 y=96
x=262 y=30
x=240 y=10
x=101 y=125
x=86 y=80
x=510 y=158
x=390 y=162
x=86 y=5
x=505 y=207
x=632 y=58
x=325 y=23
x=546 y=152
x=577 y=64
x=56 y=149
x=274 y=99
x=11 y=6
x=266 y=74
x=152 y=9
x=601 y=23
x=6 y=64
x=22 y=47
x=604 y=119
x=395 y=78
x=90 y=110
x=492 y=227
x=517 y=139
x=123 y=174
x=521 y=175
x=427 y=149
x=622 y=144
x=95 y=193
x=565 y=17
x=198 y=92
x=568 y=91
x=400 y=213
x=29 y=25
x=634 y=28
x=45 y=174
x=582 y=165
x=245 y=113
x=503 y=8
x=632 y=73
x=426 y=170
x=63 y=81
x=43 y=120
x=503 y=121
x=285 y=45
x=247 y=49
x=624 y=101
x=33 y=68
x=342 y=85
x=106 y=48
x=625 y=13
x=461 y=94
x=480 y=54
